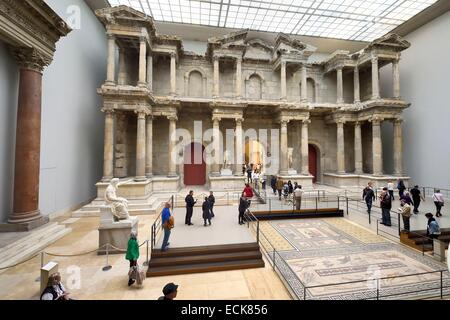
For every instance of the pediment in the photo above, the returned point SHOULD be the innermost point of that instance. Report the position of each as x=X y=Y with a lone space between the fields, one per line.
x=232 y=39
x=122 y=13
x=391 y=40
x=286 y=43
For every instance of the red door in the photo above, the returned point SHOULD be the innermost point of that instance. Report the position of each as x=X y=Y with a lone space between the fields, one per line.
x=313 y=162
x=194 y=165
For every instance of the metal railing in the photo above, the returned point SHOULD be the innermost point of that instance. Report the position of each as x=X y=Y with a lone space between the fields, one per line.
x=157 y=225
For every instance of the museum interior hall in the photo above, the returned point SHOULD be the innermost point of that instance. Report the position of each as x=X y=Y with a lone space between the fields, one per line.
x=224 y=150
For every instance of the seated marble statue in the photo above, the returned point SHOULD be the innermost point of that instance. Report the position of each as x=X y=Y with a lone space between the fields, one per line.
x=119 y=206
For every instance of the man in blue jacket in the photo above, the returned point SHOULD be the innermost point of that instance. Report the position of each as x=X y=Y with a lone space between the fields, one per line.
x=165 y=216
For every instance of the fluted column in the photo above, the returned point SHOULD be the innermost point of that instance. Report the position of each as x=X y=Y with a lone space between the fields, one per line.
x=284 y=148
x=149 y=147
x=108 y=155
x=122 y=78
x=173 y=74
x=340 y=86
x=396 y=78
x=340 y=147
x=216 y=77
x=172 y=140
x=304 y=92
x=305 y=147
x=150 y=72
x=142 y=63
x=398 y=147
x=357 y=97
x=239 y=149
x=283 y=81
x=239 y=77
x=140 y=145
x=375 y=79
x=216 y=144
x=111 y=62
x=358 y=149
x=377 y=147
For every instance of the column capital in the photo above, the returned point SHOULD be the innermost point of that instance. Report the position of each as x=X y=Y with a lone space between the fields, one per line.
x=108 y=110
x=30 y=59
x=398 y=120
x=110 y=36
x=216 y=118
x=340 y=121
x=339 y=68
x=172 y=118
x=374 y=59
x=376 y=120
x=215 y=58
x=284 y=122
x=283 y=63
x=239 y=59
x=239 y=120
x=142 y=39
x=173 y=55
x=356 y=68
x=306 y=121
x=358 y=123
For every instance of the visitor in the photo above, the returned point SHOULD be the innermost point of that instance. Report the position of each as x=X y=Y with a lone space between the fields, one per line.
x=132 y=255
x=249 y=173
x=206 y=210
x=291 y=187
x=255 y=178
x=212 y=201
x=244 y=168
x=386 y=205
x=407 y=198
x=190 y=203
x=248 y=192
x=433 y=229
x=168 y=223
x=262 y=178
x=170 y=292
x=390 y=188
x=243 y=206
x=279 y=186
x=273 y=184
x=405 y=211
x=298 y=197
x=286 y=191
x=368 y=196
x=55 y=290
x=401 y=188
x=416 y=198
x=438 y=199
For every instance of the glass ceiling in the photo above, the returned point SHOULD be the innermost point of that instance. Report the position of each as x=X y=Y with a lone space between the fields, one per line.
x=363 y=20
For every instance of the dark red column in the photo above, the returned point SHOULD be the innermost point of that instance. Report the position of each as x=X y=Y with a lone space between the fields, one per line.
x=28 y=147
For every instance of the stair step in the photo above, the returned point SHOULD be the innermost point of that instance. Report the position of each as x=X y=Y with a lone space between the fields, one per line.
x=32 y=248
x=198 y=259
x=205 y=250
x=205 y=267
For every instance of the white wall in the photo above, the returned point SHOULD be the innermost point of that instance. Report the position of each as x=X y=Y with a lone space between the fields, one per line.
x=9 y=88
x=425 y=82
x=72 y=124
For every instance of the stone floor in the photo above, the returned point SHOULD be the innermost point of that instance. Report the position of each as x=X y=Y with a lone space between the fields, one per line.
x=84 y=278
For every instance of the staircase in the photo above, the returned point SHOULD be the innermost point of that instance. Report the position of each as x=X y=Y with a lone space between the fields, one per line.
x=418 y=240
x=205 y=259
x=35 y=241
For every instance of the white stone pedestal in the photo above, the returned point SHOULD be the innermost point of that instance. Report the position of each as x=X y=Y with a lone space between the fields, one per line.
x=292 y=172
x=438 y=250
x=114 y=233
x=304 y=181
x=226 y=172
x=227 y=183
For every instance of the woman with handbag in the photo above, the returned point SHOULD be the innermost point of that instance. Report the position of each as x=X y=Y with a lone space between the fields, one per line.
x=132 y=255
x=438 y=199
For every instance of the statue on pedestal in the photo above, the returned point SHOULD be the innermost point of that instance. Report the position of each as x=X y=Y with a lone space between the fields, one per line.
x=118 y=205
x=290 y=159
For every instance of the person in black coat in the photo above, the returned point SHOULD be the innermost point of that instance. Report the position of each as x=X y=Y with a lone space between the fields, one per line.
x=243 y=205
x=206 y=208
x=211 y=200
x=190 y=203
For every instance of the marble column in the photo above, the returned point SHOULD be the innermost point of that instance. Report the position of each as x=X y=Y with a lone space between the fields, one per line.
x=375 y=79
x=239 y=78
x=356 y=94
x=122 y=78
x=149 y=147
x=358 y=149
x=377 y=147
x=216 y=77
x=108 y=152
x=340 y=86
x=305 y=147
x=398 y=147
x=284 y=148
x=304 y=92
x=173 y=74
x=283 y=81
x=150 y=72
x=28 y=139
x=396 y=78
x=215 y=168
x=172 y=141
x=142 y=82
x=340 y=147
x=141 y=146
x=239 y=153
x=111 y=63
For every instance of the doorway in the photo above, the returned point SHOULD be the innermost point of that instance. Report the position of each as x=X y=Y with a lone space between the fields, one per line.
x=194 y=165
x=313 y=165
